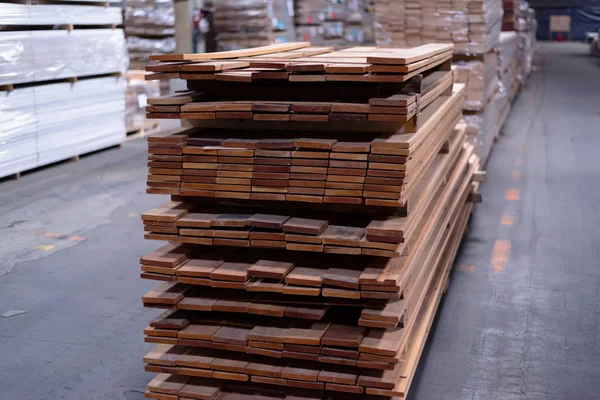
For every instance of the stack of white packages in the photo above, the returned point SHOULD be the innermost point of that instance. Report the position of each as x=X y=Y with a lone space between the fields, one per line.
x=510 y=73
x=80 y=118
x=486 y=125
x=42 y=120
x=36 y=56
x=58 y=14
x=18 y=142
x=480 y=75
x=527 y=41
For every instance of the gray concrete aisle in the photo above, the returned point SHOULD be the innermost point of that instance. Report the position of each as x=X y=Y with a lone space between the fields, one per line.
x=519 y=321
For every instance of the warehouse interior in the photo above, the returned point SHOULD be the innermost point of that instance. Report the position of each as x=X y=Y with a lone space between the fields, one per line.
x=87 y=110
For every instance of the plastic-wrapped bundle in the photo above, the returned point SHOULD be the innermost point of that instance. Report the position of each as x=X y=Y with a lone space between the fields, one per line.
x=78 y=118
x=34 y=56
x=159 y=13
x=59 y=14
x=150 y=28
x=483 y=128
x=138 y=91
x=527 y=43
x=509 y=68
x=473 y=26
x=334 y=22
x=18 y=143
x=250 y=23
x=142 y=47
x=43 y=124
x=480 y=75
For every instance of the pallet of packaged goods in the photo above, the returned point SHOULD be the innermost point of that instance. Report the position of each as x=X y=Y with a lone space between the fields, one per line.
x=60 y=67
x=304 y=262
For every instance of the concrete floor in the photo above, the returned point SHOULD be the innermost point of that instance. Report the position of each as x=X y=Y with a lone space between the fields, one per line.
x=520 y=320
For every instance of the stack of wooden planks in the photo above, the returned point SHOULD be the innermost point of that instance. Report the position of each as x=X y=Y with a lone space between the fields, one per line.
x=304 y=258
x=472 y=25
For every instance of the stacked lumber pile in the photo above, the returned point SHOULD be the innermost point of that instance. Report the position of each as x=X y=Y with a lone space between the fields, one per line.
x=57 y=100
x=150 y=29
x=304 y=258
x=473 y=26
x=331 y=23
x=249 y=23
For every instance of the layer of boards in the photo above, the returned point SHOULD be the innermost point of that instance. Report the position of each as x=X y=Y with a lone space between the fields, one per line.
x=217 y=368
x=378 y=103
x=300 y=274
x=370 y=233
x=298 y=62
x=364 y=88
x=294 y=166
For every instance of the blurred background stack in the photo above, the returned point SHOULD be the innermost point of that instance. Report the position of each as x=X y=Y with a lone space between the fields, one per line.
x=150 y=29
x=61 y=89
x=474 y=27
x=334 y=23
x=149 y=26
x=251 y=23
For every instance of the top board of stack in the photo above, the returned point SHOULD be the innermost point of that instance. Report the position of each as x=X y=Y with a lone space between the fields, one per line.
x=375 y=89
x=318 y=199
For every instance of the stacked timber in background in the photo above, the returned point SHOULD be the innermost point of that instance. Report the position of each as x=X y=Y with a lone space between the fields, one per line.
x=473 y=26
x=318 y=199
x=150 y=29
x=61 y=90
x=328 y=23
x=519 y=17
x=138 y=91
x=251 y=23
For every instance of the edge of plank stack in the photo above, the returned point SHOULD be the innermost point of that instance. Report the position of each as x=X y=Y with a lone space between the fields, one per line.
x=304 y=262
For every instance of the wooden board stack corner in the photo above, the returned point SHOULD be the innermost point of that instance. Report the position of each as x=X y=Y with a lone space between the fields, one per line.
x=308 y=244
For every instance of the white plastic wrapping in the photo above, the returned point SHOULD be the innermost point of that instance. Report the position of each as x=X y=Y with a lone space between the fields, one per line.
x=480 y=75
x=59 y=14
x=527 y=43
x=138 y=91
x=149 y=13
x=150 y=29
x=34 y=56
x=509 y=66
x=18 y=143
x=43 y=124
x=473 y=26
x=78 y=118
x=483 y=128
